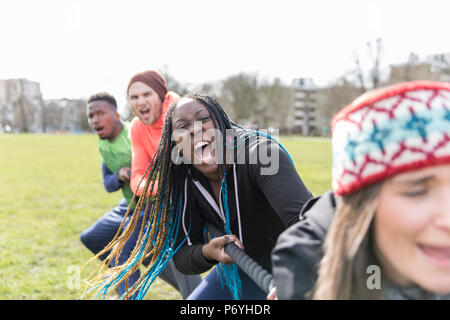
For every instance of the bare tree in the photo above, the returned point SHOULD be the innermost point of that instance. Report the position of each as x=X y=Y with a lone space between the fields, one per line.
x=172 y=83
x=240 y=95
x=359 y=73
x=22 y=109
x=376 y=55
x=277 y=102
x=22 y=117
x=373 y=80
x=331 y=99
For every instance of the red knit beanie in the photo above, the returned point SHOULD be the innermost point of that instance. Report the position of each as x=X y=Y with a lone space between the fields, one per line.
x=388 y=131
x=153 y=79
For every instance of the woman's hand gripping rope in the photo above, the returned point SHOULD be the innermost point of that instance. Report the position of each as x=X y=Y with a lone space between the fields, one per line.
x=232 y=247
x=214 y=250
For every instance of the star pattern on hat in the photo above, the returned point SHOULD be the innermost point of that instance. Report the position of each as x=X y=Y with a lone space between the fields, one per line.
x=390 y=141
x=446 y=113
x=417 y=124
x=377 y=135
x=350 y=148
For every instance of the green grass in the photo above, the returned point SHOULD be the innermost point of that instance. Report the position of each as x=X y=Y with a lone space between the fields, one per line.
x=51 y=190
x=312 y=159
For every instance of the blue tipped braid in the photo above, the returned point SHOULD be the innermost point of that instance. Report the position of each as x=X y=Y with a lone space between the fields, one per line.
x=167 y=251
x=161 y=262
x=228 y=273
x=105 y=290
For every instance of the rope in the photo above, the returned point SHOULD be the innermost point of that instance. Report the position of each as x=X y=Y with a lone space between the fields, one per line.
x=259 y=275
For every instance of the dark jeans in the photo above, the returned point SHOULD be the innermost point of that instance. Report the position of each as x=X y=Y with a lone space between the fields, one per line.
x=96 y=237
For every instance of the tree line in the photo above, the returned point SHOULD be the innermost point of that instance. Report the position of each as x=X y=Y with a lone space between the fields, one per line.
x=249 y=99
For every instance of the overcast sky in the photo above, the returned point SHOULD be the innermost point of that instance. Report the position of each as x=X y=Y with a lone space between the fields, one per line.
x=76 y=48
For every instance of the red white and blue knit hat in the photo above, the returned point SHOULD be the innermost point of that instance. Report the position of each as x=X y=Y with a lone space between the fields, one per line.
x=390 y=130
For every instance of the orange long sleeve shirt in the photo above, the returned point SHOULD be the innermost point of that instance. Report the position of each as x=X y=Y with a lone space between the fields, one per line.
x=144 y=143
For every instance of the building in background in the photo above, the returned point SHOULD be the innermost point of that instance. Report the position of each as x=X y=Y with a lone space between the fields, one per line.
x=304 y=111
x=67 y=115
x=435 y=67
x=22 y=109
x=21 y=106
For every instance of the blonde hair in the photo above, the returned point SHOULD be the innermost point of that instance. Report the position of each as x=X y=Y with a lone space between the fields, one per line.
x=348 y=250
x=155 y=244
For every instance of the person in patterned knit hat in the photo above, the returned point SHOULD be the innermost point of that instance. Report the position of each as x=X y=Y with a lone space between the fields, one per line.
x=383 y=232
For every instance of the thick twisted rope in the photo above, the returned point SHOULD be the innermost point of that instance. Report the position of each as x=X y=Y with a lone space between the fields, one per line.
x=257 y=273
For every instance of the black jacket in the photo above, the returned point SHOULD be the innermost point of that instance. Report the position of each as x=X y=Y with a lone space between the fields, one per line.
x=268 y=204
x=298 y=251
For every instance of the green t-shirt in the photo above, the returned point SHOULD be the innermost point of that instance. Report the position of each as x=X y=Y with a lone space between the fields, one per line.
x=116 y=154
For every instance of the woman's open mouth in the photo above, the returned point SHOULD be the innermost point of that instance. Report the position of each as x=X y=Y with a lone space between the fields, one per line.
x=204 y=152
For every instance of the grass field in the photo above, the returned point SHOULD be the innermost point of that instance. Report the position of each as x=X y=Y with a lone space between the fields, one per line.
x=51 y=190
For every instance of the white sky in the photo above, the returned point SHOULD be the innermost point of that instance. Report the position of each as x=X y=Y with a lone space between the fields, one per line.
x=76 y=48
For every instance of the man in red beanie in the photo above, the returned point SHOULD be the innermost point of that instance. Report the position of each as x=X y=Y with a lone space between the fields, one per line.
x=149 y=100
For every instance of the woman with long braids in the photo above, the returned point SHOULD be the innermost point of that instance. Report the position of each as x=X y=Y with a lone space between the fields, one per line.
x=384 y=230
x=209 y=170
